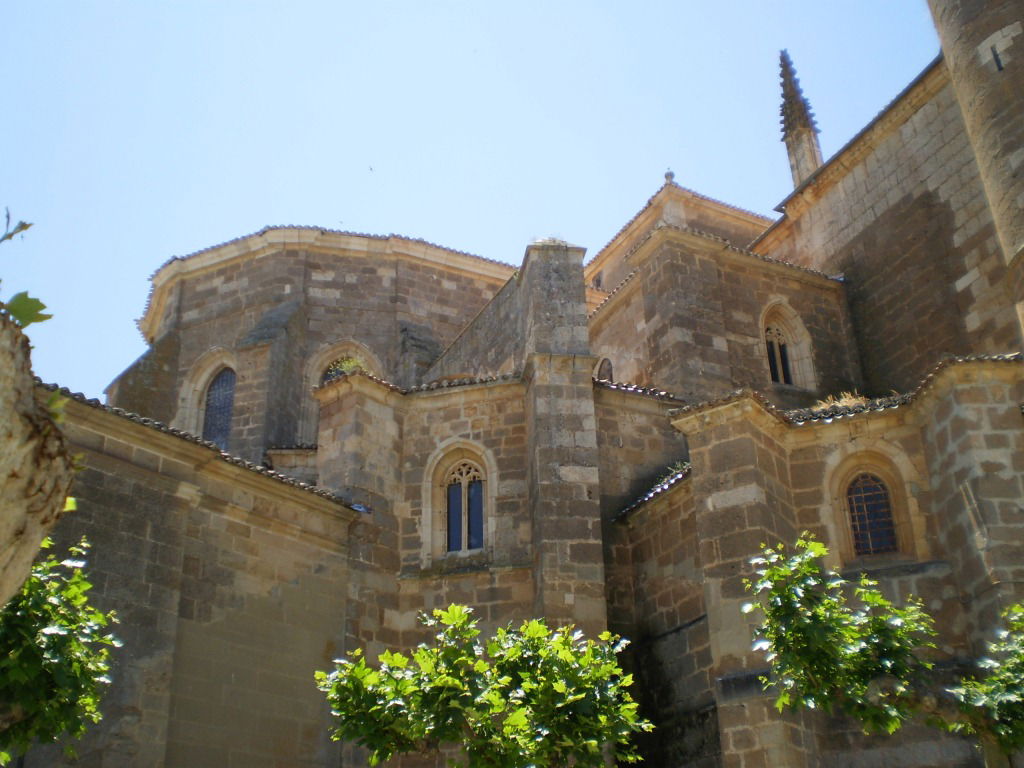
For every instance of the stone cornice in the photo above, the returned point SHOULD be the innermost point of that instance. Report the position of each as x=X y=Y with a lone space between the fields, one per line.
x=276 y=239
x=648 y=216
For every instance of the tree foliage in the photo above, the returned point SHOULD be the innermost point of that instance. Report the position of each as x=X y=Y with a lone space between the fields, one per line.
x=843 y=646
x=54 y=655
x=994 y=704
x=531 y=696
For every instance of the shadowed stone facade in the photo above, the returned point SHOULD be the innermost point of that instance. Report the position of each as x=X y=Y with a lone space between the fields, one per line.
x=603 y=443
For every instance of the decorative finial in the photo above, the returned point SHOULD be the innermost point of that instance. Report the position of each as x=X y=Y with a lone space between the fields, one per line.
x=796 y=110
x=669 y=176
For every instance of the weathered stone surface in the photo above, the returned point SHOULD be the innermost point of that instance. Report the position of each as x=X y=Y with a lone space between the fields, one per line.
x=35 y=464
x=634 y=503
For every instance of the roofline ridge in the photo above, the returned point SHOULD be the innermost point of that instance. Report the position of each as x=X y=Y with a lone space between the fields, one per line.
x=181 y=434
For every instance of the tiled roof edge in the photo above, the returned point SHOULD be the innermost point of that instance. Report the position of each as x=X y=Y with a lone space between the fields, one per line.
x=431 y=386
x=636 y=389
x=662 y=486
x=650 y=200
x=826 y=413
x=307 y=228
x=613 y=291
x=189 y=437
x=716 y=238
x=327 y=231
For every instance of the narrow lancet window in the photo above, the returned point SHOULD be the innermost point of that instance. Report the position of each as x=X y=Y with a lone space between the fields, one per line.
x=778 y=355
x=465 y=508
x=220 y=401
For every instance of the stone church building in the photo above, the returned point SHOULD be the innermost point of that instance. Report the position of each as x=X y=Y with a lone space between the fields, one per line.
x=331 y=432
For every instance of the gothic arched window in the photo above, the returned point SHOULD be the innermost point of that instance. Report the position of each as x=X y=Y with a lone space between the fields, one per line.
x=604 y=370
x=778 y=355
x=787 y=346
x=464 y=519
x=219 y=402
x=872 y=525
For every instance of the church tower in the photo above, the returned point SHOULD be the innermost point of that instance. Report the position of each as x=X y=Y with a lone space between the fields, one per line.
x=983 y=45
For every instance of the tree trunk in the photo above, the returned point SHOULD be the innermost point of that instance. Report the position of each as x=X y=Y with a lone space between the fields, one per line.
x=993 y=753
x=35 y=468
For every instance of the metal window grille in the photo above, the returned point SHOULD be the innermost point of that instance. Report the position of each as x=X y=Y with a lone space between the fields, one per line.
x=871 y=519
x=220 y=400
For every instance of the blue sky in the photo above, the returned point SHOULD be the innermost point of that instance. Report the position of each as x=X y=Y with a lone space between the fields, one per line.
x=137 y=131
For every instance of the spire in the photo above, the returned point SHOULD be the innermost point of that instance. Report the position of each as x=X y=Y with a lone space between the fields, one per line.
x=796 y=110
x=799 y=130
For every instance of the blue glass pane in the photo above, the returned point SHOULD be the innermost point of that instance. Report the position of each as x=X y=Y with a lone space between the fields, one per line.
x=220 y=400
x=454 y=517
x=476 y=514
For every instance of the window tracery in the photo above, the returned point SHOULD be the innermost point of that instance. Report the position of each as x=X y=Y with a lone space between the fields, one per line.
x=464 y=520
x=787 y=347
x=778 y=355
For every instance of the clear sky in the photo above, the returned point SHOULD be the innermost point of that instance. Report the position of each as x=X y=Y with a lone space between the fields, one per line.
x=137 y=131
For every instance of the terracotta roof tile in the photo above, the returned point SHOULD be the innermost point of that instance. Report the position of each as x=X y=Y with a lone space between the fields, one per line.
x=636 y=389
x=613 y=291
x=662 y=486
x=429 y=386
x=189 y=437
x=827 y=413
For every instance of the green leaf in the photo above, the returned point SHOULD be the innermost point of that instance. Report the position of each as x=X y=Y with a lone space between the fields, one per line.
x=26 y=310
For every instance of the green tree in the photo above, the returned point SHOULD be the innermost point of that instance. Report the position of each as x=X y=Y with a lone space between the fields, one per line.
x=35 y=465
x=844 y=647
x=54 y=655
x=527 y=697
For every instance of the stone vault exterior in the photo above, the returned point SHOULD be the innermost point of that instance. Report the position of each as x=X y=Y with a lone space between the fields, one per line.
x=331 y=432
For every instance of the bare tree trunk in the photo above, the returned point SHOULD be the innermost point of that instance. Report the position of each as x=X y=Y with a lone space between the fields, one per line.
x=35 y=468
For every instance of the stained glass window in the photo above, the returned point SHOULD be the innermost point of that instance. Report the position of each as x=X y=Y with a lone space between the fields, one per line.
x=220 y=400
x=871 y=520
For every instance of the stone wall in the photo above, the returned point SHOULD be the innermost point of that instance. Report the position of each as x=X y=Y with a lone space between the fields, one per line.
x=974 y=436
x=275 y=309
x=902 y=212
x=492 y=343
x=230 y=586
x=690 y=321
x=656 y=599
x=947 y=456
x=636 y=444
